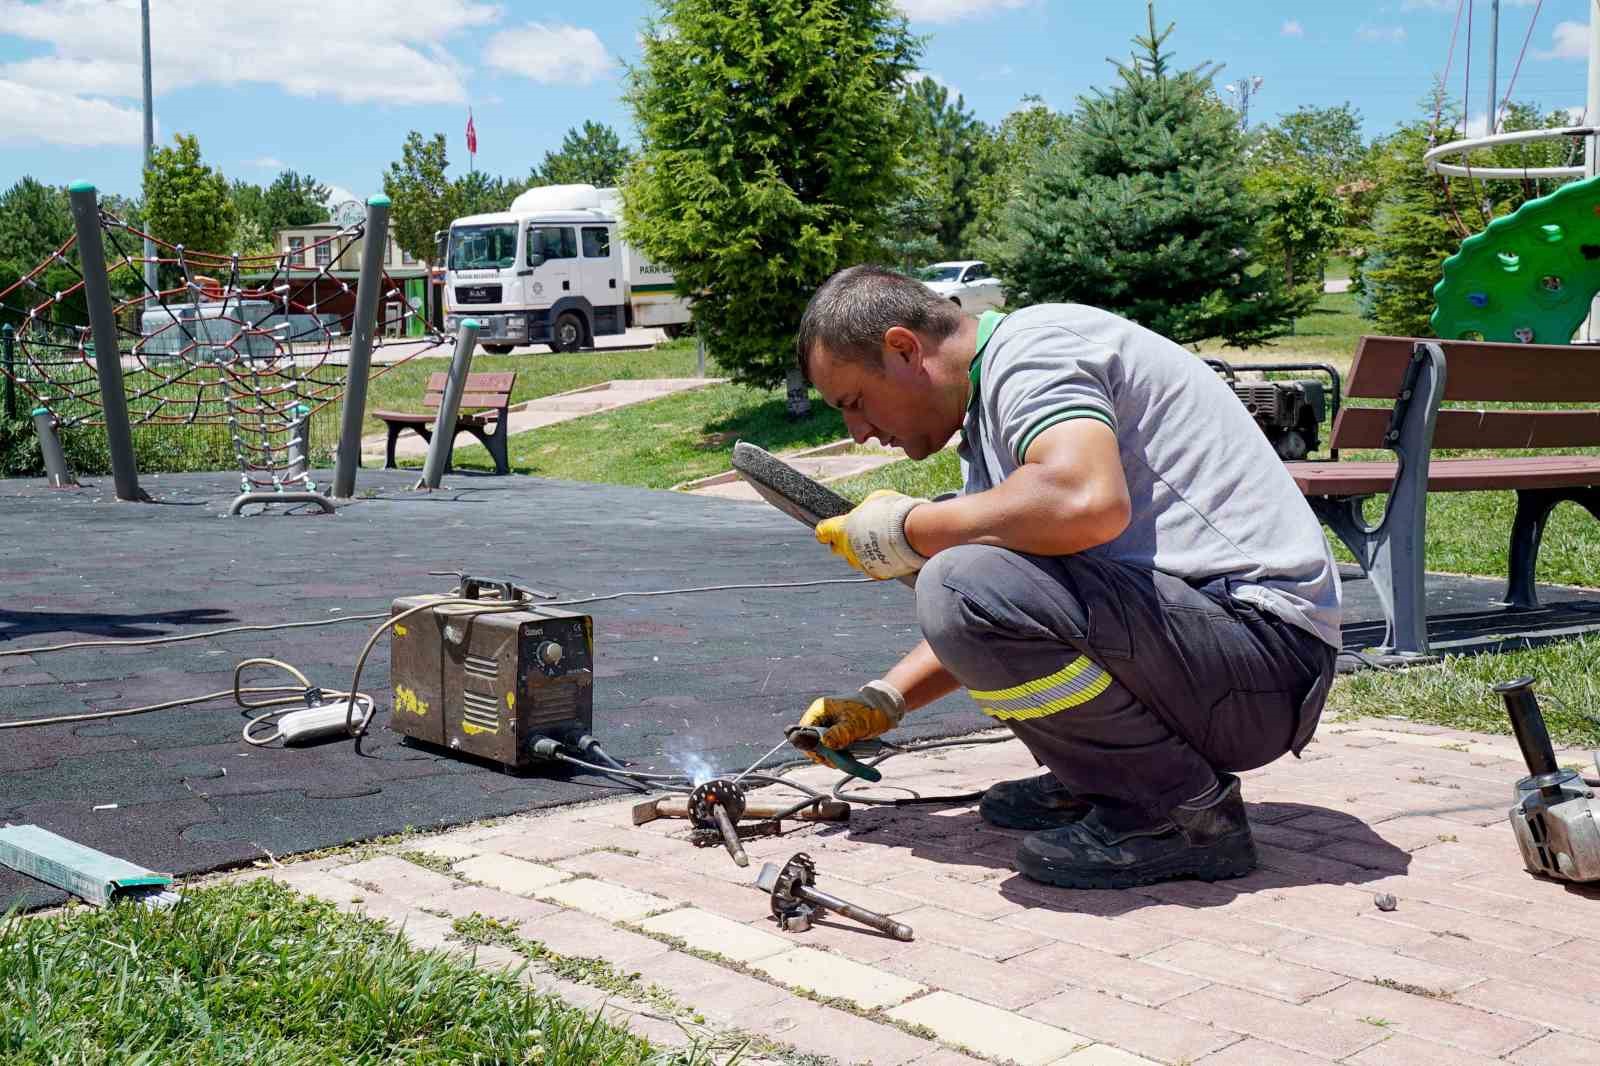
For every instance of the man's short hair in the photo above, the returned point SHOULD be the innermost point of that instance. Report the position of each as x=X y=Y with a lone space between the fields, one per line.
x=849 y=314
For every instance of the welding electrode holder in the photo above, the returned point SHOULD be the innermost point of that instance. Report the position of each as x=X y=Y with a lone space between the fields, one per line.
x=808 y=738
x=795 y=899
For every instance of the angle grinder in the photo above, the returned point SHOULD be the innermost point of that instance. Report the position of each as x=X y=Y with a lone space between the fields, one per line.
x=1556 y=818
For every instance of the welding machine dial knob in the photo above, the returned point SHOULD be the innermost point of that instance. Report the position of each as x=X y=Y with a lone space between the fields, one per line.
x=550 y=654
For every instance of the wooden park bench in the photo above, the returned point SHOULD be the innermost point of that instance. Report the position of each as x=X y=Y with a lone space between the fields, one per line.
x=485 y=403
x=1413 y=374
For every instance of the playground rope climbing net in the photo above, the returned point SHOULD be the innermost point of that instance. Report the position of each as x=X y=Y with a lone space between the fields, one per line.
x=257 y=343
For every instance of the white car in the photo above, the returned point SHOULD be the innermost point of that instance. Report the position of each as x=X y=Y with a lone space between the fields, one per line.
x=967 y=283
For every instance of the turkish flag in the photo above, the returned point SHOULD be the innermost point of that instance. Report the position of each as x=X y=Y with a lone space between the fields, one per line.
x=472 y=134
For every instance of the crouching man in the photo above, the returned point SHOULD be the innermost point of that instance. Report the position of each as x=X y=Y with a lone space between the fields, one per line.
x=1129 y=579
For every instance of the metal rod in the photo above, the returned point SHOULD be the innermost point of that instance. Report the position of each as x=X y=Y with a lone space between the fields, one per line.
x=374 y=240
x=8 y=350
x=152 y=289
x=1494 y=63
x=730 y=835
x=55 y=460
x=299 y=462
x=1591 y=156
x=444 y=427
x=881 y=922
x=107 y=350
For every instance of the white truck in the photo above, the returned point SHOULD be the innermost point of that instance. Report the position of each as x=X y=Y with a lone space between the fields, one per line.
x=555 y=269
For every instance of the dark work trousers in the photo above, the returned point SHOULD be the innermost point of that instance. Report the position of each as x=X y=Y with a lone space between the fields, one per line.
x=1133 y=687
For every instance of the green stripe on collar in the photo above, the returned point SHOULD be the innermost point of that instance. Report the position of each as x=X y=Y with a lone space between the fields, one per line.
x=986 y=327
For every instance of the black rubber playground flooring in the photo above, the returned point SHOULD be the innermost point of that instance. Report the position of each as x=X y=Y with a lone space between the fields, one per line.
x=715 y=675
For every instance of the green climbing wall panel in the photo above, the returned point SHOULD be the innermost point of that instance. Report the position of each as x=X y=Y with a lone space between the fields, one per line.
x=1530 y=276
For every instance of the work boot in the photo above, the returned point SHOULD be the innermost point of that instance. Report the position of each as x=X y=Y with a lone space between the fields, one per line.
x=1038 y=802
x=1208 y=839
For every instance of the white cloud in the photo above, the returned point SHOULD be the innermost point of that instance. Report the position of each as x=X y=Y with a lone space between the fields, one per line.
x=356 y=51
x=35 y=115
x=549 y=53
x=267 y=162
x=338 y=194
x=954 y=10
x=1292 y=28
x=1389 y=34
x=1571 y=41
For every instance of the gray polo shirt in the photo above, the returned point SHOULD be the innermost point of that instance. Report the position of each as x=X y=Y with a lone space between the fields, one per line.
x=1210 y=497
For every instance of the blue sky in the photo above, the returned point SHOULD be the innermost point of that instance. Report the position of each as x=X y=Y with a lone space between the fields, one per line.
x=331 y=87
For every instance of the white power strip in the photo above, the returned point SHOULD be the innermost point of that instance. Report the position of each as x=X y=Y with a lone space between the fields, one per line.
x=322 y=720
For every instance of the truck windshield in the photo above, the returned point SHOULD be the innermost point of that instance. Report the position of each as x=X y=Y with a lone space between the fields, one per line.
x=483 y=247
x=940 y=273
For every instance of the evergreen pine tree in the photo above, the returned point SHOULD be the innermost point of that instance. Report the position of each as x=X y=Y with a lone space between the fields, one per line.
x=1422 y=218
x=1144 y=211
x=1414 y=233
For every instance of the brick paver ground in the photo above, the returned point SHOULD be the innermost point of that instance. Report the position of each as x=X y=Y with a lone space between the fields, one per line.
x=1477 y=963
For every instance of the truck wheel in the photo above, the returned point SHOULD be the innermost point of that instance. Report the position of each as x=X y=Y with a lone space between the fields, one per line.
x=498 y=349
x=567 y=335
x=955 y=301
x=674 y=330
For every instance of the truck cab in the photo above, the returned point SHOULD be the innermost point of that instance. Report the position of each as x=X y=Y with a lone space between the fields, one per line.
x=552 y=270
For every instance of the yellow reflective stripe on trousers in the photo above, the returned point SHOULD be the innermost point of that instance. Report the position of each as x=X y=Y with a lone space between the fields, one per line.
x=1078 y=682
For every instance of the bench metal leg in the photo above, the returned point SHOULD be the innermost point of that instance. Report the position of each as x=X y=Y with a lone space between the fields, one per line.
x=1391 y=552
x=388 y=457
x=1391 y=556
x=496 y=444
x=1527 y=530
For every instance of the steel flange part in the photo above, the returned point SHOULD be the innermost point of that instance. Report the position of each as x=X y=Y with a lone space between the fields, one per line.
x=706 y=798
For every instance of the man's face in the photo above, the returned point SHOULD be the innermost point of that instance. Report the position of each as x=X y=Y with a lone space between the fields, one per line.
x=896 y=404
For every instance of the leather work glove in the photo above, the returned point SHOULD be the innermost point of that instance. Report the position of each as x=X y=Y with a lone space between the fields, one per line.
x=871 y=712
x=872 y=537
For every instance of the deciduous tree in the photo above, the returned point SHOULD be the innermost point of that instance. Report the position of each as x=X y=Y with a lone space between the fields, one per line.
x=187 y=202
x=773 y=137
x=592 y=155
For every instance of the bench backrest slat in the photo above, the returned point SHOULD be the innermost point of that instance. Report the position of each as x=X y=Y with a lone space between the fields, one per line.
x=483 y=390
x=1364 y=427
x=469 y=399
x=1484 y=371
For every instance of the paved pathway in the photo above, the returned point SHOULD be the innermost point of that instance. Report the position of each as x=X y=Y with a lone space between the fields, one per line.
x=1478 y=963
x=829 y=462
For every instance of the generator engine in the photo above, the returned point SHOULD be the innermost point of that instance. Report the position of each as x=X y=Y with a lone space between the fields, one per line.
x=481 y=680
x=1288 y=412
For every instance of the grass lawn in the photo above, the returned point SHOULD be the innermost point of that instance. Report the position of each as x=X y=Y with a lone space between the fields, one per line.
x=538 y=373
x=663 y=442
x=1327 y=334
x=254 y=973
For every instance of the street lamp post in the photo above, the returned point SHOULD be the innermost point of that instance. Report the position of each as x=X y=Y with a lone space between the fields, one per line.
x=149 y=149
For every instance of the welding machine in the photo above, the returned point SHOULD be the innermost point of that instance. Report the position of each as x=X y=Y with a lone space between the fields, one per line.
x=489 y=678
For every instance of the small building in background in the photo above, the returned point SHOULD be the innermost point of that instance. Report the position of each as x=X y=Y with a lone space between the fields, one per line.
x=321 y=264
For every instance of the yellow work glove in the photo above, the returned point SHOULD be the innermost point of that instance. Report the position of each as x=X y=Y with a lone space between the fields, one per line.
x=872 y=537
x=871 y=712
